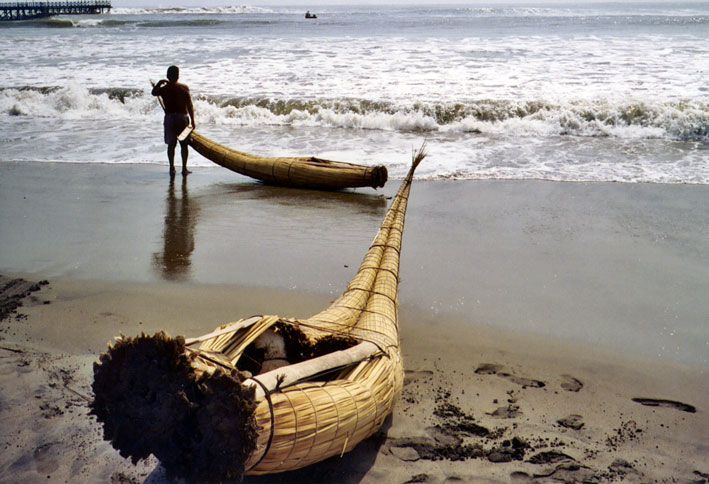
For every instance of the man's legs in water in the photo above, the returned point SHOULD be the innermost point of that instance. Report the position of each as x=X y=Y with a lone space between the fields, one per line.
x=184 y=152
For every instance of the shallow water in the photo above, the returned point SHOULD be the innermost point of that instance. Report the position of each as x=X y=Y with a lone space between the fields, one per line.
x=563 y=92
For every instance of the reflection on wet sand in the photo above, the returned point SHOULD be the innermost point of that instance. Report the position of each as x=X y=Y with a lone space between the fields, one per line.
x=253 y=217
x=173 y=263
x=350 y=202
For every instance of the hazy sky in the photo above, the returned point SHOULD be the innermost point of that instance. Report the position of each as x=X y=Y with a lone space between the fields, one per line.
x=308 y=3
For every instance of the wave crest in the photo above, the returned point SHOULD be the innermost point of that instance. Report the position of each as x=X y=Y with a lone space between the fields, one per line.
x=678 y=120
x=229 y=10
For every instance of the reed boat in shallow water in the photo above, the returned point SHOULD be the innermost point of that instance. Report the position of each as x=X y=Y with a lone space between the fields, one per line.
x=265 y=394
x=307 y=172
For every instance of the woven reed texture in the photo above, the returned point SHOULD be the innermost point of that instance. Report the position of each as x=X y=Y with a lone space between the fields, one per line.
x=291 y=171
x=310 y=421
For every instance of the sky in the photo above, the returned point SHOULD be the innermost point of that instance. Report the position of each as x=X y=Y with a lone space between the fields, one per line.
x=310 y=3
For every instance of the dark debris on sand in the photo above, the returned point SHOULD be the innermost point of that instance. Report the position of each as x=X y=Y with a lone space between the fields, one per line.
x=702 y=477
x=418 y=478
x=457 y=436
x=446 y=439
x=13 y=293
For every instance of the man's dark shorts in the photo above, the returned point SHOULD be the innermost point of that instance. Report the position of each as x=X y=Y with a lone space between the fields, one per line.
x=174 y=125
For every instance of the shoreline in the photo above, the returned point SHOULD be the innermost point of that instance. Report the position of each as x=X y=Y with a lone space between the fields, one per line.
x=516 y=389
x=206 y=168
x=615 y=265
x=295 y=303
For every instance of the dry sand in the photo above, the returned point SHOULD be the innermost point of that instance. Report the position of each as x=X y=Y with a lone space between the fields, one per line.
x=479 y=404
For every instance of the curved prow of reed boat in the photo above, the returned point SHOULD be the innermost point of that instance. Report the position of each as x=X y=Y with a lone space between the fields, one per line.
x=307 y=172
x=264 y=394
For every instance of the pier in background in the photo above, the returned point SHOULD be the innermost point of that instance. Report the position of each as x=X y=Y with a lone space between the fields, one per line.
x=35 y=10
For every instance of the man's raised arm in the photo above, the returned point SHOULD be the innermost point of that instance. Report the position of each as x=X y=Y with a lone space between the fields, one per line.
x=157 y=87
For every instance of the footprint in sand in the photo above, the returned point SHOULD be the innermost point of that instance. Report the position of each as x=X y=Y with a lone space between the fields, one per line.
x=407 y=454
x=488 y=369
x=571 y=384
x=549 y=457
x=494 y=369
x=524 y=382
x=571 y=422
x=46 y=458
x=418 y=478
x=519 y=476
x=656 y=402
x=510 y=411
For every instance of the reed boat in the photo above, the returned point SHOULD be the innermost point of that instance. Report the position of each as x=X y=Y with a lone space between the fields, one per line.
x=306 y=172
x=297 y=172
x=265 y=394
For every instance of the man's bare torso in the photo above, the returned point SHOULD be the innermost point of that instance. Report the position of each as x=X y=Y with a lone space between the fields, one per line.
x=176 y=97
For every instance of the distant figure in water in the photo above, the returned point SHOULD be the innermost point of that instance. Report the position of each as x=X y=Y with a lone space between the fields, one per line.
x=310 y=15
x=178 y=113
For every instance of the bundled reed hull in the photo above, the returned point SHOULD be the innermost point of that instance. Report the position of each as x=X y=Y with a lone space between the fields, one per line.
x=309 y=172
x=345 y=375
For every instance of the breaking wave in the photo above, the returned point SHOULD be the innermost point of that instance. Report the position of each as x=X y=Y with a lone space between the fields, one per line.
x=104 y=22
x=676 y=120
x=231 y=10
x=582 y=11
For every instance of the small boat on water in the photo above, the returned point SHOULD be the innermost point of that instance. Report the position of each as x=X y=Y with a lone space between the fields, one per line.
x=265 y=394
x=307 y=172
x=310 y=15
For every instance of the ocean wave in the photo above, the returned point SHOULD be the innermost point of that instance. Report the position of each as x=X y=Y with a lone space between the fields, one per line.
x=207 y=22
x=108 y=23
x=57 y=23
x=74 y=102
x=688 y=120
x=101 y=22
x=70 y=23
x=228 y=10
x=619 y=118
x=569 y=12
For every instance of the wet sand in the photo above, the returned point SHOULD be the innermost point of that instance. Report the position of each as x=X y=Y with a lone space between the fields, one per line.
x=621 y=266
x=512 y=373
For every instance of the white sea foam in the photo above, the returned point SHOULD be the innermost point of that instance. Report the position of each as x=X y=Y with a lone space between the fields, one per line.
x=631 y=119
x=71 y=102
x=500 y=92
x=582 y=11
x=224 y=10
x=391 y=69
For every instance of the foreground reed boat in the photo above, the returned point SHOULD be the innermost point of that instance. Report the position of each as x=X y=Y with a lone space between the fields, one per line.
x=307 y=172
x=265 y=394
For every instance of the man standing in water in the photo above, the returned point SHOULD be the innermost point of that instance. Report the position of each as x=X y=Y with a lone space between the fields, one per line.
x=178 y=113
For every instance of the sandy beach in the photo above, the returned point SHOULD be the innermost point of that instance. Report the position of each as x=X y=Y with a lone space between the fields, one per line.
x=551 y=331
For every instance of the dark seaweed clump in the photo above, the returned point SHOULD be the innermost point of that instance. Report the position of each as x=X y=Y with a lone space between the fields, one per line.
x=150 y=401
